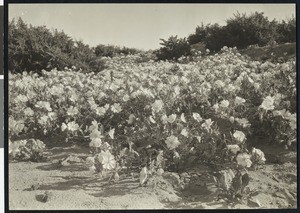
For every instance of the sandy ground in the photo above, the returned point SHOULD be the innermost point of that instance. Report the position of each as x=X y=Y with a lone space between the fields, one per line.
x=74 y=187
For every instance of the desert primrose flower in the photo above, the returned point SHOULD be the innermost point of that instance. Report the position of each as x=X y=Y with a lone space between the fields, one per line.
x=197 y=117
x=268 y=103
x=243 y=122
x=96 y=143
x=239 y=100
x=184 y=132
x=172 y=118
x=231 y=119
x=14 y=148
x=243 y=159
x=182 y=118
x=131 y=119
x=164 y=119
x=157 y=106
x=43 y=120
x=224 y=103
x=43 y=104
x=116 y=108
x=95 y=134
x=239 y=136
x=207 y=124
x=234 y=148
x=72 y=126
x=72 y=111
x=172 y=142
x=257 y=156
x=107 y=160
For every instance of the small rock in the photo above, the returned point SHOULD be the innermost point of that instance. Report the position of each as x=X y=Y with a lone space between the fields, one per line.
x=46 y=196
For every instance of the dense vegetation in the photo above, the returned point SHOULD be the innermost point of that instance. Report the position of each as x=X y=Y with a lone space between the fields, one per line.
x=240 y=31
x=156 y=111
x=35 y=48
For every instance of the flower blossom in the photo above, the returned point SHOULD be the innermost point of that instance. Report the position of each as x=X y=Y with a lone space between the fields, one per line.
x=239 y=136
x=172 y=142
x=268 y=103
x=243 y=159
x=157 y=106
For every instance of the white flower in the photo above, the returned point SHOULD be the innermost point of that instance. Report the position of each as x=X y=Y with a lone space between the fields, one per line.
x=239 y=136
x=111 y=133
x=164 y=119
x=14 y=148
x=72 y=111
x=131 y=119
x=28 y=112
x=219 y=83
x=172 y=142
x=182 y=118
x=116 y=108
x=293 y=121
x=93 y=126
x=96 y=142
x=268 y=103
x=157 y=106
x=243 y=159
x=177 y=90
x=44 y=104
x=172 y=118
x=73 y=126
x=152 y=119
x=257 y=156
x=184 y=132
x=216 y=107
x=143 y=175
x=239 y=100
x=256 y=86
x=107 y=160
x=250 y=80
x=63 y=127
x=43 y=120
x=234 y=148
x=224 y=103
x=197 y=117
x=95 y=134
x=126 y=98
x=100 y=111
x=243 y=122
x=207 y=124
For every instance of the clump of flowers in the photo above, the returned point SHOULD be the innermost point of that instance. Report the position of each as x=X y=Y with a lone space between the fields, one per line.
x=27 y=149
x=172 y=142
x=239 y=136
x=268 y=103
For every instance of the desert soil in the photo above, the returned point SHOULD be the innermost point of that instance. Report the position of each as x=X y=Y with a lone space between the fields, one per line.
x=75 y=187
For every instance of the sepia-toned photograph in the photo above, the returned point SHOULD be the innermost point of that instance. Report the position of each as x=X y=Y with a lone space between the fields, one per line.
x=152 y=106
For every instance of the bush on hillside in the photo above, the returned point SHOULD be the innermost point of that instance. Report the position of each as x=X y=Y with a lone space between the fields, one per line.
x=173 y=48
x=35 y=48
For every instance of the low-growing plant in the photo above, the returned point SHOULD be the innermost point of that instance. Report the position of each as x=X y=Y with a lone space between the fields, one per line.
x=31 y=149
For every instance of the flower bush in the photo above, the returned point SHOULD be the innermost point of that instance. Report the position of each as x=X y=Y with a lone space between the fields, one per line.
x=26 y=149
x=130 y=111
